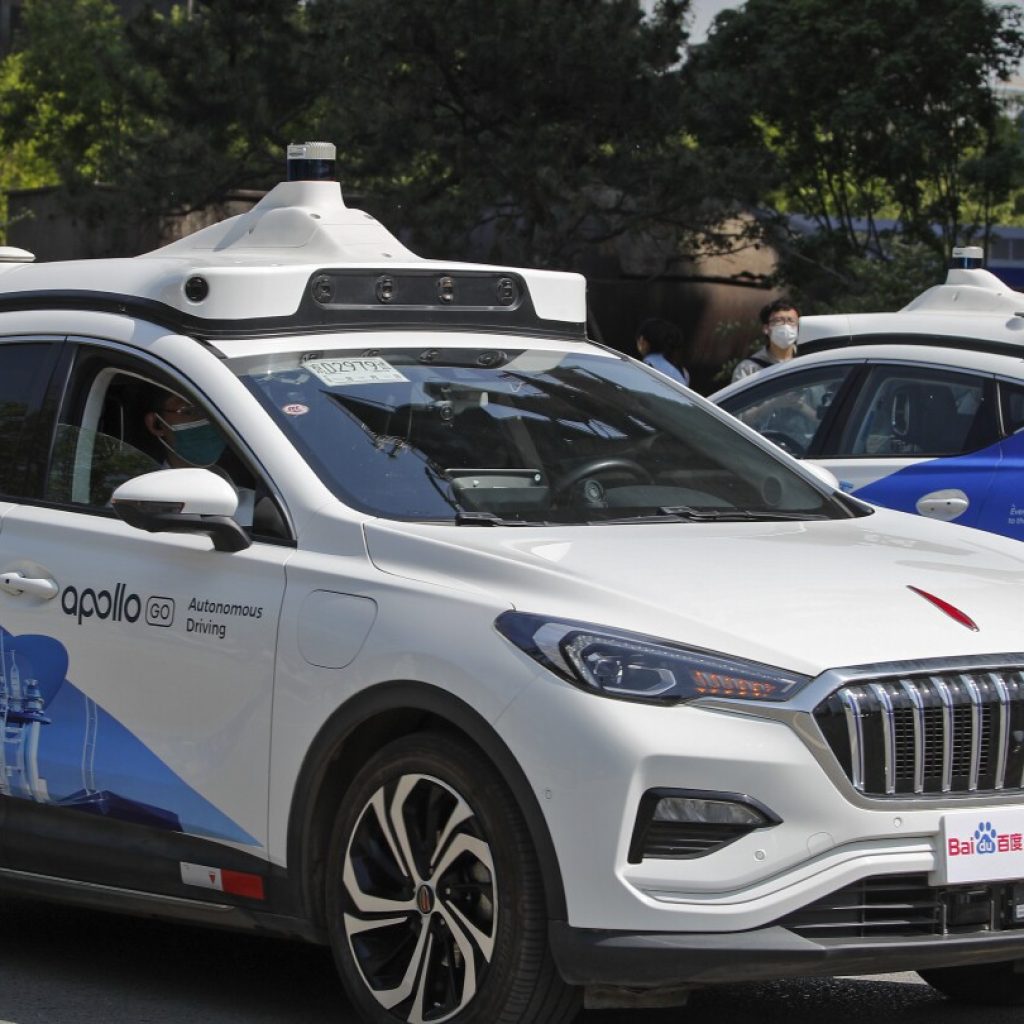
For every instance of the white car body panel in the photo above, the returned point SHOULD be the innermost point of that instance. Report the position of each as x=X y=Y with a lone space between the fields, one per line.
x=205 y=708
x=694 y=583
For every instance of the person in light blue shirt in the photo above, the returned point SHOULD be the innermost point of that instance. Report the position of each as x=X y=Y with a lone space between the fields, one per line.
x=659 y=344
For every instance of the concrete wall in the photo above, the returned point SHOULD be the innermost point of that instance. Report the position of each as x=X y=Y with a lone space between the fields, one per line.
x=715 y=301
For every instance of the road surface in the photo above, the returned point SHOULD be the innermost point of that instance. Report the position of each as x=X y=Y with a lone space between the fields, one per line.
x=60 y=965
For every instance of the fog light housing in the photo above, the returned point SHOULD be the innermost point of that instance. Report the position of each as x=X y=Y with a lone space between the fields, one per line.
x=679 y=824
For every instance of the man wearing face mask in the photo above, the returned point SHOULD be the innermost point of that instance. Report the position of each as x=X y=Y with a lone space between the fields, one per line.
x=188 y=439
x=186 y=436
x=780 y=324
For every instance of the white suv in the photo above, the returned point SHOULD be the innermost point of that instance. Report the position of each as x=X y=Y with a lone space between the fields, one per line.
x=359 y=598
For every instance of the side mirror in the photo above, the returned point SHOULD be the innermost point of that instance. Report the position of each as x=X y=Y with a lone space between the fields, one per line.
x=182 y=501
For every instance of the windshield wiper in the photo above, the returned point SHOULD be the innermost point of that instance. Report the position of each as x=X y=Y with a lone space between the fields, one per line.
x=478 y=519
x=734 y=515
x=463 y=518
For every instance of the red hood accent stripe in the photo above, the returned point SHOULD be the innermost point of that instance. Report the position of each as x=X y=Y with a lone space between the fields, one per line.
x=945 y=606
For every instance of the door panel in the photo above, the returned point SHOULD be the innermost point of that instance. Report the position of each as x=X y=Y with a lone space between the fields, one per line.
x=855 y=474
x=915 y=431
x=902 y=483
x=1003 y=508
x=141 y=692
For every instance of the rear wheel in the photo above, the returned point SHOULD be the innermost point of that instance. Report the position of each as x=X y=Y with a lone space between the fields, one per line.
x=984 y=984
x=434 y=897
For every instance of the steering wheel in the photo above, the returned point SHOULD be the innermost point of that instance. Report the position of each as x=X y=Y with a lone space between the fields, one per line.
x=784 y=441
x=596 y=466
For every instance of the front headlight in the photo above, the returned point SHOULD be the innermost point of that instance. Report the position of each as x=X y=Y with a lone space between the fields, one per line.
x=635 y=667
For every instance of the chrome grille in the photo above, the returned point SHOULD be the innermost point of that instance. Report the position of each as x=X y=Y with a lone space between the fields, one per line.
x=956 y=732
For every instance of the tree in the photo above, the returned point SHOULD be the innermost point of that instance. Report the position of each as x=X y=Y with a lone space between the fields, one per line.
x=23 y=163
x=542 y=129
x=871 y=120
x=63 y=109
x=170 y=113
x=522 y=130
x=229 y=83
x=537 y=130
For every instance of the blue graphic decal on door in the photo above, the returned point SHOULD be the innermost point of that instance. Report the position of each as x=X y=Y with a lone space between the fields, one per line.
x=974 y=474
x=59 y=747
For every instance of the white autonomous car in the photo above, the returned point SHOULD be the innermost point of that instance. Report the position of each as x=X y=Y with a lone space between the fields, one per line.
x=920 y=410
x=359 y=598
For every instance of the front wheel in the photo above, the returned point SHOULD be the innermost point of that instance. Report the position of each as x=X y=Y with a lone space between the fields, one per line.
x=982 y=984
x=435 y=904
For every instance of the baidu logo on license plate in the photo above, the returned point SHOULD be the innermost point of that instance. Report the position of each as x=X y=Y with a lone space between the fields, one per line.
x=981 y=847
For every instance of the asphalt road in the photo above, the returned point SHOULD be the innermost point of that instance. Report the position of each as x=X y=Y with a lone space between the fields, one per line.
x=59 y=965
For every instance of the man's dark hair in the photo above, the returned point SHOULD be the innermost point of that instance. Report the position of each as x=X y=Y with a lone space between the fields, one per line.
x=663 y=336
x=778 y=306
x=149 y=397
x=141 y=397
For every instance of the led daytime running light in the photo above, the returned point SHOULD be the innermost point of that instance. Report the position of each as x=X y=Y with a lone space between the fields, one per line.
x=715 y=684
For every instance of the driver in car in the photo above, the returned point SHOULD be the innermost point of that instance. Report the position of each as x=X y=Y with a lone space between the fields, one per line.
x=187 y=438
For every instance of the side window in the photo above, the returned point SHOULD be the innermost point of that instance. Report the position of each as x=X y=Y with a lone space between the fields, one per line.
x=910 y=411
x=24 y=372
x=1013 y=406
x=790 y=410
x=120 y=420
x=101 y=439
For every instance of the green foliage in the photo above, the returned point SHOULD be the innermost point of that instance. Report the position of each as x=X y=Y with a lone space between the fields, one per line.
x=68 y=97
x=856 y=113
x=228 y=86
x=23 y=163
x=173 y=112
x=823 y=281
x=65 y=116
x=537 y=130
x=540 y=128
x=544 y=132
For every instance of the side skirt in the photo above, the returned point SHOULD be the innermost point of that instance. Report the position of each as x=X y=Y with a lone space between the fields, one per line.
x=95 y=896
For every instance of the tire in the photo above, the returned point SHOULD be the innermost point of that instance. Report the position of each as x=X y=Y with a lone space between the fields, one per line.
x=435 y=903
x=982 y=984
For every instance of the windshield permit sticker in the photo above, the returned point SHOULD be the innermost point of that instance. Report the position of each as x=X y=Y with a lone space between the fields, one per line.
x=295 y=409
x=359 y=370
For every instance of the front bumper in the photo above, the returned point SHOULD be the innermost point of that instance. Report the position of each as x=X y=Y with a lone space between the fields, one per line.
x=647 y=960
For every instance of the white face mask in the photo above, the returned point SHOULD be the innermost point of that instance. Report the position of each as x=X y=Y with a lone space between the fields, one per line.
x=783 y=335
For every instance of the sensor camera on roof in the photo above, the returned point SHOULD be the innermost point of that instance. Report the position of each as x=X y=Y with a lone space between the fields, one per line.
x=967 y=257
x=311 y=161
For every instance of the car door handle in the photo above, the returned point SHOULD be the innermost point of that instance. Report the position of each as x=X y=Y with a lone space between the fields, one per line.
x=15 y=583
x=943 y=505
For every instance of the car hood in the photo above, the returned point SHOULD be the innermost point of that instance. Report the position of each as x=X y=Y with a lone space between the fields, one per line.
x=802 y=596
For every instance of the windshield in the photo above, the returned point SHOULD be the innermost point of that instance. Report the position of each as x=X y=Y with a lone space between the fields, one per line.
x=493 y=436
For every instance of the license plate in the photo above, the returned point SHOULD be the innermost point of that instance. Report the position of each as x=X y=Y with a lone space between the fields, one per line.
x=981 y=846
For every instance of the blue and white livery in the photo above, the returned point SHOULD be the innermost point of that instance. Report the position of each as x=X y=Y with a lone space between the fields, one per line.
x=919 y=410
